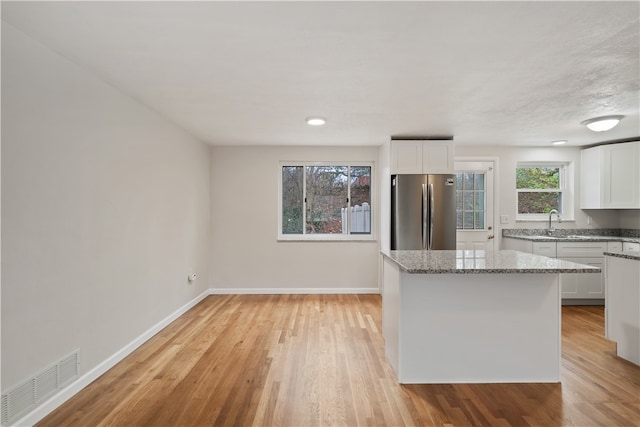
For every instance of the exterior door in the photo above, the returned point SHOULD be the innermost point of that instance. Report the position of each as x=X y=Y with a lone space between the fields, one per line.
x=474 y=205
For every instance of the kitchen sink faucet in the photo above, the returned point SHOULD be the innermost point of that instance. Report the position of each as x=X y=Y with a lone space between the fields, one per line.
x=551 y=212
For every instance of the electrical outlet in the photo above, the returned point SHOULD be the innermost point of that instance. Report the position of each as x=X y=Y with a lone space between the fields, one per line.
x=504 y=219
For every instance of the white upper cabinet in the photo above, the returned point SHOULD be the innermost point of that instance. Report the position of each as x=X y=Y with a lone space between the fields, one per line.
x=421 y=157
x=610 y=176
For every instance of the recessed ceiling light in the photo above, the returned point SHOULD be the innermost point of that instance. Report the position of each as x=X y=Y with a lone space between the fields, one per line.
x=316 y=121
x=601 y=124
x=559 y=142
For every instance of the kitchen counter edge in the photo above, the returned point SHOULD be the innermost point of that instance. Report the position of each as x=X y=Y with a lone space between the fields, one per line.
x=624 y=254
x=471 y=262
x=574 y=239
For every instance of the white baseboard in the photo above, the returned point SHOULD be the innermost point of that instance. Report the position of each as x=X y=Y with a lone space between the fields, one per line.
x=68 y=392
x=296 y=291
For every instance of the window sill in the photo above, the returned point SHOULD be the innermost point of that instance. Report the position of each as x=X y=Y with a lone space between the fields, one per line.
x=544 y=220
x=326 y=238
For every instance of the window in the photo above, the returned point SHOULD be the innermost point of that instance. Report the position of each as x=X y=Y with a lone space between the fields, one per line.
x=470 y=201
x=541 y=187
x=325 y=201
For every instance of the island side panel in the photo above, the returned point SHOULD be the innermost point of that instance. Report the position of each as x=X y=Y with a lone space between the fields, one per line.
x=622 y=319
x=479 y=328
x=391 y=311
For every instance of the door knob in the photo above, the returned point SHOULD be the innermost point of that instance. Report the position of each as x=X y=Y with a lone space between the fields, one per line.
x=489 y=237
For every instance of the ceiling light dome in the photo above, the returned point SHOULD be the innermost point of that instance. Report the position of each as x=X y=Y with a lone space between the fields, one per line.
x=559 y=142
x=602 y=124
x=316 y=121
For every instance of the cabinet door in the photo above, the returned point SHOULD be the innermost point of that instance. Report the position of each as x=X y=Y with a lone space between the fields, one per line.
x=610 y=176
x=437 y=157
x=630 y=246
x=406 y=157
x=592 y=284
x=569 y=285
x=621 y=163
x=581 y=249
x=614 y=246
x=517 y=245
x=545 y=249
x=591 y=178
x=583 y=285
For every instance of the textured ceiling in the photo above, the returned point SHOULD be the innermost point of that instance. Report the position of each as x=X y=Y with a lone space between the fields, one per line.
x=487 y=73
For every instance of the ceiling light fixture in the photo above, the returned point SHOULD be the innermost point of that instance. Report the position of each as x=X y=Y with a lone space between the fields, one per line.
x=602 y=124
x=559 y=142
x=316 y=121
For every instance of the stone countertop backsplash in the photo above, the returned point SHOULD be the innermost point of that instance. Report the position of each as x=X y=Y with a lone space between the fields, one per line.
x=574 y=234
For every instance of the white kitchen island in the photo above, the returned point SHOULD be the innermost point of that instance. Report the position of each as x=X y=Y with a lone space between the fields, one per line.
x=622 y=314
x=473 y=316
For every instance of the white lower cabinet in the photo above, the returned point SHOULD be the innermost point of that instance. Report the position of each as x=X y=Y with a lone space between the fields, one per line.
x=582 y=285
x=629 y=246
x=574 y=286
x=547 y=249
x=615 y=246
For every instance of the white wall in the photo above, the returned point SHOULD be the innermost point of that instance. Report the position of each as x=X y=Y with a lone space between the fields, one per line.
x=385 y=194
x=630 y=218
x=245 y=253
x=506 y=184
x=105 y=210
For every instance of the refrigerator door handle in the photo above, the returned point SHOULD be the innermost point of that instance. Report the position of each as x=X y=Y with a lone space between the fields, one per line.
x=425 y=210
x=431 y=206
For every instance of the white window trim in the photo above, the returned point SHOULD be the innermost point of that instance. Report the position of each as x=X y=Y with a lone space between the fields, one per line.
x=327 y=237
x=566 y=188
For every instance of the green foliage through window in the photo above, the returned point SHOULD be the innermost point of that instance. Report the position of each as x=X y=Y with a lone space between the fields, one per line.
x=539 y=178
x=539 y=189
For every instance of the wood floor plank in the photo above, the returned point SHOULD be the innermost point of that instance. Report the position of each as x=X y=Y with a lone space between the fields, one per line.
x=318 y=360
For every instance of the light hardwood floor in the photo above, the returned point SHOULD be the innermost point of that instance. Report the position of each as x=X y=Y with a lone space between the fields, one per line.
x=318 y=360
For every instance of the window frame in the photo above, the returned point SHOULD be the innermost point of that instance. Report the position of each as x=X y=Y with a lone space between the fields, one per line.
x=565 y=190
x=327 y=237
x=474 y=191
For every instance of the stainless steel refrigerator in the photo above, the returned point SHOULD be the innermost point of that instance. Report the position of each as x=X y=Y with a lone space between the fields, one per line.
x=423 y=212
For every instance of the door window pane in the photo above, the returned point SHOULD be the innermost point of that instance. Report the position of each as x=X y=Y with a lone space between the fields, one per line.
x=478 y=222
x=467 y=183
x=479 y=182
x=467 y=220
x=470 y=201
x=478 y=201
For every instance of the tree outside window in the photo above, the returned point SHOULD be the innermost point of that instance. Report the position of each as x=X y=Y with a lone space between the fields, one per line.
x=326 y=200
x=539 y=188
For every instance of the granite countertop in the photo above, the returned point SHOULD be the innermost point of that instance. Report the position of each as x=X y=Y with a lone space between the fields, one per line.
x=574 y=238
x=624 y=254
x=574 y=235
x=481 y=262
